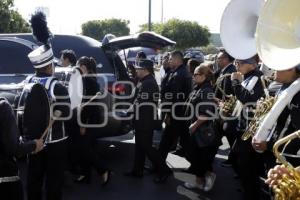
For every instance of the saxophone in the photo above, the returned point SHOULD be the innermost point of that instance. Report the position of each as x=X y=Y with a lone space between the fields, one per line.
x=226 y=109
x=288 y=187
x=263 y=107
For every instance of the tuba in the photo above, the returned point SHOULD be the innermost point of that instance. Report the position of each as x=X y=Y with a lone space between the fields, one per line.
x=288 y=187
x=238 y=25
x=238 y=38
x=278 y=37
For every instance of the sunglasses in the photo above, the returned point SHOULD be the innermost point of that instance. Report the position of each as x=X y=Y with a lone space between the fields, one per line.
x=197 y=74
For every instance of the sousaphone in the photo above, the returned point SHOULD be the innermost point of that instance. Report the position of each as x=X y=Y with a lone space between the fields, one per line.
x=278 y=34
x=238 y=26
x=278 y=44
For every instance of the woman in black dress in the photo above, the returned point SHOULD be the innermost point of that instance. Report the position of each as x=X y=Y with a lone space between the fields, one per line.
x=90 y=114
x=204 y=140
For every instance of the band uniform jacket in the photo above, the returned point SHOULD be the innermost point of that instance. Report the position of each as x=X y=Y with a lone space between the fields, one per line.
x=10 y=145
x=145 y=116
x=287 y=123
x=225 y=84
x=248 y=96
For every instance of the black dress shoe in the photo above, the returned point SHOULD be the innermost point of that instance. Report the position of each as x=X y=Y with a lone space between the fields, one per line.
x=180 y=153
x=83 y=179
x=162 y=178
x=188 y=170
x=134 y=174
x=151 y=169
x=106 y=177
x=226 y=163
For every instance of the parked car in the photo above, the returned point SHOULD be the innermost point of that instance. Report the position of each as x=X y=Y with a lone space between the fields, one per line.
x=195 y=54
x=129 y=55
x=15 y=65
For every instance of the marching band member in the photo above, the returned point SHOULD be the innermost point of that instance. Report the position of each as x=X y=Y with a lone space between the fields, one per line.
x=48 y=164
x=248 y=89
x=10 y=147
x=288 y=120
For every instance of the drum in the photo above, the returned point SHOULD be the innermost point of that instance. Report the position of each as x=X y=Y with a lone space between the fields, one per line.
x=36 y=115
x=72 y=79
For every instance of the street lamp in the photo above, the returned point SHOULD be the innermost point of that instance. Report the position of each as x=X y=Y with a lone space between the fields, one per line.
x=149 y=17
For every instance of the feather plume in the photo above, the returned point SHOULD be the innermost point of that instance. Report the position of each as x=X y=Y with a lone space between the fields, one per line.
x=39 y=27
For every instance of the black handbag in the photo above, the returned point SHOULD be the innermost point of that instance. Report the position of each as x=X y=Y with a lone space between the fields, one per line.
x=206 y=135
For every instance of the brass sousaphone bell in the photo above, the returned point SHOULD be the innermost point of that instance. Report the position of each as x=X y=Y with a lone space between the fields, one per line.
x=238 y=26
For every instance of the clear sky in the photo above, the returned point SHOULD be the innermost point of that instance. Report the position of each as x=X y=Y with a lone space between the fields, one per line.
x=66 y=16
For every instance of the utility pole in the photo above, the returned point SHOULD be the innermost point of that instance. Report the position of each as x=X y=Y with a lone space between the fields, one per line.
x=149 y=17
x=162 y=11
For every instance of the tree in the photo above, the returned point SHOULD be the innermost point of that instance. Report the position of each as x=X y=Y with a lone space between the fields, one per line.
x=97 y=29
x=11 y=20
x=187 y=34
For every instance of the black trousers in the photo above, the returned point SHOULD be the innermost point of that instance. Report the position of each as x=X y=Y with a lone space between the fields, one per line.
x=170 y=137
x=201 y=158
x=250 y=166
x=228 y=128
x=143 y=148
x=11 y=191
x=48 y=165
x=89 y=157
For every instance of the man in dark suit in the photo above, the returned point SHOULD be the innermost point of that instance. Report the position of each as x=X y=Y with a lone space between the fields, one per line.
x=176 y=91
x=145 y=120
x=225 y=64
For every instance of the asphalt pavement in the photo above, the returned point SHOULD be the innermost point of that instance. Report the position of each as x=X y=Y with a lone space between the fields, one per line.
x=118 y=153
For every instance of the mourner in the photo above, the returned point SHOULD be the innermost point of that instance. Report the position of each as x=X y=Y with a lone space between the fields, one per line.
x=145 y=120
x=165 y=67
x=68 y=58
x=176 y=89
x=204 y=140
x=90 y=115
x=223 y=88
x=10 y=148
x=225 y=66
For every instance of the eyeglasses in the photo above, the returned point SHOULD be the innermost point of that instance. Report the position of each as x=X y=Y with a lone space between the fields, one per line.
x=197 y=74
x=236 y=63
x=220 y=58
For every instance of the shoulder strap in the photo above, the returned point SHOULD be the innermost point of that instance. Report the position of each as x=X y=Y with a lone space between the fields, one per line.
x=51 y=89
x=251 y=84
x=28 y=79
